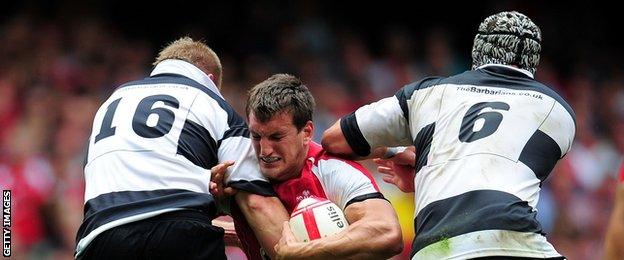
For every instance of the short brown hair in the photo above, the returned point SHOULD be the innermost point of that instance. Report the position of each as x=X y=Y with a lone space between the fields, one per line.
x=278 y=94
x=194 y=52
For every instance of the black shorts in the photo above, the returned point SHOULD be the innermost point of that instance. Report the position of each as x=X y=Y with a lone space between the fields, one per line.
x=174 y=235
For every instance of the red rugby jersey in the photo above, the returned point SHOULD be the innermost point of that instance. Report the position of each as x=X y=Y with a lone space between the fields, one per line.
x=341 y=181
x=622 y=173
x=324 y=176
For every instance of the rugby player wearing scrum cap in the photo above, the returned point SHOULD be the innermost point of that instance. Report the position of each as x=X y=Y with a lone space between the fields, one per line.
x=485 y=140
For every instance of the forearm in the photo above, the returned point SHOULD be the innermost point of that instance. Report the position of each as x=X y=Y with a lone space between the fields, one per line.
x=265 y=215
x=359 y=241
x=335 y=142
x=374 y=234
x=614 y=242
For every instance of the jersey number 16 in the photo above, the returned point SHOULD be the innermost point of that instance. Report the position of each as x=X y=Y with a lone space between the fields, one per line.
x=143 y=112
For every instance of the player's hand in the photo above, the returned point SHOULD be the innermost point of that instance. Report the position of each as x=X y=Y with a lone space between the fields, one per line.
x=399 y=169
x=286 y=247
x=217 y=185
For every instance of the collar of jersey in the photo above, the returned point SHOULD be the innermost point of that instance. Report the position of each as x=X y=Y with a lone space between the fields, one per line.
x=186 y=69
x=523 y=71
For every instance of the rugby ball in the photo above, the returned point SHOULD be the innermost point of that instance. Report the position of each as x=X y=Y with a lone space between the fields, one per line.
x=314 y=218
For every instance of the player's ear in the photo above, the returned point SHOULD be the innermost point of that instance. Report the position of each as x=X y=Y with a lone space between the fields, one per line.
x=308 y=132
x=215 y=80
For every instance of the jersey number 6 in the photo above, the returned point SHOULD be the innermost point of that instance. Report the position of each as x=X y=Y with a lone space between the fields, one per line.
x=491 y=121
x=142 y=114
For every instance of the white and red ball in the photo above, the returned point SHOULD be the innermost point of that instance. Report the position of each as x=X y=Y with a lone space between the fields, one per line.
x=314 y=218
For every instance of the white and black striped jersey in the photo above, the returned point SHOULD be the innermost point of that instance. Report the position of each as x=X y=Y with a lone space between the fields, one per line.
x=485 y=140
x=152 y=145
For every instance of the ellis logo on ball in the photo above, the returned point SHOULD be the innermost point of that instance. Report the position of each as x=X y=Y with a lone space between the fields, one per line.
x=314 y=218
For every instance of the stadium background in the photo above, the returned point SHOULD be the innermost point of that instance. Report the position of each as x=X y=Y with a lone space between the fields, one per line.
x=60 y=59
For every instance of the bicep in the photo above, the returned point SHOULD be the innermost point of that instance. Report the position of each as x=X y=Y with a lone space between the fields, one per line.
x=371 y=210
x=259 y=209
x=381 y=123
x=335 y=142
x=265 y=216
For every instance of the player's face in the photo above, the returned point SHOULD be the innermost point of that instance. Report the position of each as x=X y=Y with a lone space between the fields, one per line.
x=281 y=148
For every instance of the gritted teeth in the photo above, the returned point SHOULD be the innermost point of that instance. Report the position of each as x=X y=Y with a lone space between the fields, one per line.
x=269 y=159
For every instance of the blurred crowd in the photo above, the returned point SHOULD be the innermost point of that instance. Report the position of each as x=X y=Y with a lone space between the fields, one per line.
x=54 y=75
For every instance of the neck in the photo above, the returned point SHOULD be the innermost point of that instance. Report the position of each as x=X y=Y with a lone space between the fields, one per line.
x=303 y=156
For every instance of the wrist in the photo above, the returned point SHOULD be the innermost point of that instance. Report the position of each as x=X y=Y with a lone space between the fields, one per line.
x=392 y=151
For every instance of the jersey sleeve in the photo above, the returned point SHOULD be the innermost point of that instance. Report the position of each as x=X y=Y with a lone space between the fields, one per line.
x=231 y=143
x=560 y=127
x=245 y=173
x=346 y=182
x=381 y=123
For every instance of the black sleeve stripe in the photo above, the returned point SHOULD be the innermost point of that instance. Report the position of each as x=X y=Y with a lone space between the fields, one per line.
x=232 y=132
x=86 y=156
x=422 y=142
x=376 y=195
x=540 y=154
x=256 y=187
x=400 y=95
x=197 y=145
x=353 y=135
x=234 y=119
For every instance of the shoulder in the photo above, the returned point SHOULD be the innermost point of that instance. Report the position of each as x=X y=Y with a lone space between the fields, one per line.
x=409 y=89
x=332 y=162
x=327 y=162
x=558 y=98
